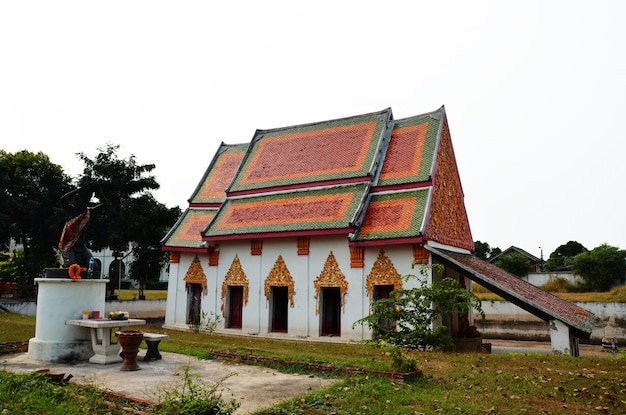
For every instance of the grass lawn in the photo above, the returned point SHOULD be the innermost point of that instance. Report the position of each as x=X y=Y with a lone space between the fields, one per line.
x=451 y=383
x=127 y=295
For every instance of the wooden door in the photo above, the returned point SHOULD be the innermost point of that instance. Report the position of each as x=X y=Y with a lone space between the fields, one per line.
x=194 y=303
x=279 y=302
x=331 y=311
x=235 y=306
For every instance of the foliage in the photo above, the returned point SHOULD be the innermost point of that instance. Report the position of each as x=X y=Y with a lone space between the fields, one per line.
x=30 y=189
x=476 y=384
x=414 y=310
x=563 y=255
x=208 y=323
x=482 y=250
x=131 y=214
x=560 y=285
x=11 y=269
x=195 y=398
x=514 y=263
x=37 y=393
x=601 y=268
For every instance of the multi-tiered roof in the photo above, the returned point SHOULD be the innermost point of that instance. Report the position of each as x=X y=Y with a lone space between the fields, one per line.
x=376 y=180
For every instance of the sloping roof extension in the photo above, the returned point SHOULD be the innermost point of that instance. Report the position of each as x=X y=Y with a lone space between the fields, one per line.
x=526 y=296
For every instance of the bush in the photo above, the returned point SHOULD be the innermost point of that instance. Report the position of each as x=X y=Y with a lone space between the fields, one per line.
x=156 y=285
x=560 y=285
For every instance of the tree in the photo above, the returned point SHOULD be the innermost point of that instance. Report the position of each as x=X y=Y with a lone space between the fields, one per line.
x=482 y=250
x=514 y=263
x=601 y=268
x=149 y=229
x=415 y=310
x=131 y=214
x=563 y=255
x=30 y=189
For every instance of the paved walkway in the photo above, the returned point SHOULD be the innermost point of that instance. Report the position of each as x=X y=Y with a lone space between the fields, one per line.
x=254 y=387
x=515 y=346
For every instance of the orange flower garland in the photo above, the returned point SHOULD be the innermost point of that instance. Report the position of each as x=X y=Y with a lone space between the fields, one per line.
x=75 y=271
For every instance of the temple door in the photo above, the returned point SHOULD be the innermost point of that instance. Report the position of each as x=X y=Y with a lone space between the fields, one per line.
x=331 y=311
x=194 y=303
x=279 y=303
x=380 y=292
x=235 y=306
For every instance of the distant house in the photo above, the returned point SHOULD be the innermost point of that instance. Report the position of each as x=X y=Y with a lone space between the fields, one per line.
x=294 y=234
x=534 y=264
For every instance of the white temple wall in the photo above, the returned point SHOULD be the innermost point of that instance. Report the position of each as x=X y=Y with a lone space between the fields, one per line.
x=304 y=319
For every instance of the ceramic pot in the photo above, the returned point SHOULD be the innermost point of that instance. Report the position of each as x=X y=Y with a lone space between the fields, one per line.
x=130 y=341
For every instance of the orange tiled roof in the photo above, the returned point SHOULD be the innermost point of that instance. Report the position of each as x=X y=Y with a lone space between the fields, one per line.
x=186 y=232
x=318 y=209
x=394 y=215
x=372 y=178
x=219 y=174
x=332 y=150
x=410 y=155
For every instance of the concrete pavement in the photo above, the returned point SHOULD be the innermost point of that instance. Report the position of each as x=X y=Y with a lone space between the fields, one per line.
x=254 y=387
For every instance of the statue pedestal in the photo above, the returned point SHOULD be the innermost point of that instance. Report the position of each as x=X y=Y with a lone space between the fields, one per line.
x=60 y=299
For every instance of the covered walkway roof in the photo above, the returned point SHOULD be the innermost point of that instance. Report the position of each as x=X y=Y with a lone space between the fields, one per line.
x=524 y=295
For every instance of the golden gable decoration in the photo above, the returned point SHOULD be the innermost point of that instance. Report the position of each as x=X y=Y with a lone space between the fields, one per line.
x=383 y=273
x=235 y=277
x=280 y=276
x=195 y=274
x=331 y=276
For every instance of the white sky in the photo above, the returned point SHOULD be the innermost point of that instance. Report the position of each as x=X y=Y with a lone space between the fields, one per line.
x=534 y=91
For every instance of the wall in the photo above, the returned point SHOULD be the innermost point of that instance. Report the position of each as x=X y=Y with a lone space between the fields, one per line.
x=136 y=309
x=540 y=278
x=304 y=319
x=505 y=320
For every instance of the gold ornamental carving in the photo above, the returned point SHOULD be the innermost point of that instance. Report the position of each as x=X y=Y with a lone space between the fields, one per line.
x=214 y=257
x=280 y=276
x=235 y=277
x=383 y=273
x=174 y=257
x=448 y=223
x=420 y=254
x=195 y=274
x=357 y=256
x=303 y=245
x=256 y=247
x=331 y=276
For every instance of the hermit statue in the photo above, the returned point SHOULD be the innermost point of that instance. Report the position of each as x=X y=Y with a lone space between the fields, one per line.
x=78 y=205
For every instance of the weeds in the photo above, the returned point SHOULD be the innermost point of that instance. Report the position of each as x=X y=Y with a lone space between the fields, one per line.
x=195 y=397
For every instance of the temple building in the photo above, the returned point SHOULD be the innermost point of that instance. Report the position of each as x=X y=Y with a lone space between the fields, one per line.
x=296 y=233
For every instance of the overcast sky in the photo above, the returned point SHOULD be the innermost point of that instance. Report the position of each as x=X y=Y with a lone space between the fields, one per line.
x=535 y=92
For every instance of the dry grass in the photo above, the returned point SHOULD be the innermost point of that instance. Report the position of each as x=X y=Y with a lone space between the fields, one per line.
x=616 y=295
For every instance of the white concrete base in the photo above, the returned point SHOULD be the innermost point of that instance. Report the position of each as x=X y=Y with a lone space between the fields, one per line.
x=60 y=299
x=58 y=351
x=104 y=359
x=561 y=340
